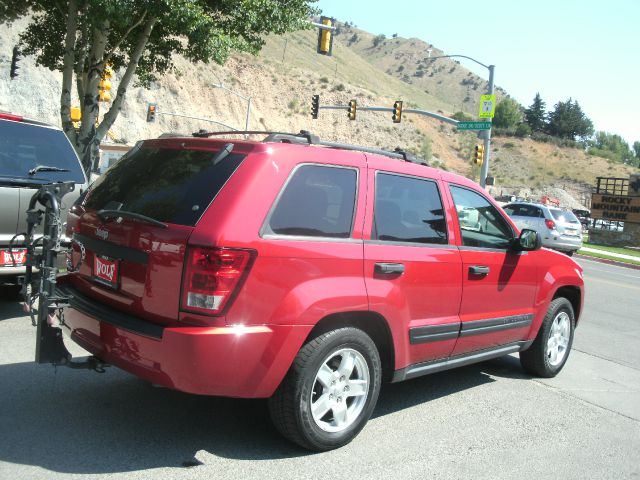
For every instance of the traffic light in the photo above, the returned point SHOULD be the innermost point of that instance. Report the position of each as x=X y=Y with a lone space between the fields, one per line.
x=105 y=85
x=151 y=112
x=315 y=106
x=478 y=156
x=325 y=37
x=353 y=108
x=397 y=112
x=13 y=73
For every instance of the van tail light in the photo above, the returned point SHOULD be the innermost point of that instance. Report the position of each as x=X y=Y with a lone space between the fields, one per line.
x=550 y=224
x=212 y=277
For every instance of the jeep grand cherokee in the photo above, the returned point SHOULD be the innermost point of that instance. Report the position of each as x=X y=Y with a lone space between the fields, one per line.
x=307 y=273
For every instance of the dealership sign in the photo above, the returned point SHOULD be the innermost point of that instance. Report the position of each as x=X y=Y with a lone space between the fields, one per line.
x=621 y=208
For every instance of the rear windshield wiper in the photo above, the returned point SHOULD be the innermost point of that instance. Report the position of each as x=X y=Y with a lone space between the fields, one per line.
x=106 y=214
x=47 y=168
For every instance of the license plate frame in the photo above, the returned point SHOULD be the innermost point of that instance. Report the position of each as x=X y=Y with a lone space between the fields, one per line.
x=106 y=271
x=19 y=255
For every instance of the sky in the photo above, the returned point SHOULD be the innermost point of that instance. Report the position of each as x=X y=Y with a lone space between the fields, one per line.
x=587 y=50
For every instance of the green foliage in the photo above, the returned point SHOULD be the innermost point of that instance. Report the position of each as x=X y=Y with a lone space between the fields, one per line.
x=611 y=146
x=339 y=88
x=197 y=29
x=378 y=39
x=508 y=113
x=462 y=117
x=636 y=149
x=567 y=120
x=293 y=105
x=523 y=130
x=425 y=149
x=535 y=115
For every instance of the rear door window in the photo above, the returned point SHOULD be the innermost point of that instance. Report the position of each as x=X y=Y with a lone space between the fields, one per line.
x=317 y=201
x=168 y=185
x=408 y=209
x=523 y=211
x=24 y=147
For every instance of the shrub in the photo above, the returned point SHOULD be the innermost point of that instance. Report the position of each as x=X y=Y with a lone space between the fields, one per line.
x=324 y=80
x=339 y=88
x=523 y=130
x=462 y=117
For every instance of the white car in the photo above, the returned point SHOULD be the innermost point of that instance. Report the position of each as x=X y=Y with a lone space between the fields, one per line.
x=559 y=229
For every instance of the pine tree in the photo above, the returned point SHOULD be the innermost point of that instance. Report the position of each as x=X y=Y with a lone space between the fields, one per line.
x=535 y=116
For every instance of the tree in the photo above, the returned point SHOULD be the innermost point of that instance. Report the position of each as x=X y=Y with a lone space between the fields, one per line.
x=508 y=113
x=636 y=149
x=567 y=120
x=378 y=39
x=611 y=146
x=80 y=38
x=535 y=115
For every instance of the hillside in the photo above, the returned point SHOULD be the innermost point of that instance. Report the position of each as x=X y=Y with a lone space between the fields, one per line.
x=281 y=81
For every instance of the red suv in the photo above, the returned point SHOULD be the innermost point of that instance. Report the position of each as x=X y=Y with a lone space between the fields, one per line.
x=306 y=272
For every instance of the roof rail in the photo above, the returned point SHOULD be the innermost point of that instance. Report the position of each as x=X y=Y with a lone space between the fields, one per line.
x=306 y=137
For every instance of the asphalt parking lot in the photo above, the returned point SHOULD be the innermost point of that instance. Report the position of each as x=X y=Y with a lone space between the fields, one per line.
x=484 y=421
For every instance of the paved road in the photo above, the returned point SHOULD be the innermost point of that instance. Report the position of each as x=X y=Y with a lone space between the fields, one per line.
x=484 y=421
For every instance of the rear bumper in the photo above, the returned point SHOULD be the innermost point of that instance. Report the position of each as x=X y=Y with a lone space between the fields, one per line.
x=232 y=361
x=562 y=242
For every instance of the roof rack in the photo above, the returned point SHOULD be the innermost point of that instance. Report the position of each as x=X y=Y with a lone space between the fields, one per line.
x=307 y=138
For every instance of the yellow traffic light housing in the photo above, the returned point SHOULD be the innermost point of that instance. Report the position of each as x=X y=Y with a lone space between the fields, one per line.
x=104 y=94
x=151 y=112
x=76 y=114
x=325 y=37
x=353 y=108
x=397 y=112
x=478 y=156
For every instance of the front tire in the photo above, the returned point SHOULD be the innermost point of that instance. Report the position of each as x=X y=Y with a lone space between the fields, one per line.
x=330 y=391
x=550 y=350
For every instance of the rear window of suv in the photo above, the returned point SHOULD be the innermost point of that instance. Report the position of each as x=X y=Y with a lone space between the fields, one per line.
x=168 y=185
x=24 y=146
x=317 y=201
x=563 y=216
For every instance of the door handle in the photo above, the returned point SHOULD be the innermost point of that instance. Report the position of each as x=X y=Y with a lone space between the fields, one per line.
x=478 y=270
x=389 y=268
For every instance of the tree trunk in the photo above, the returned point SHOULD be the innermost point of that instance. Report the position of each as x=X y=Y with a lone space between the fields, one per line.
x=67 y=72
x=88 y=137
x=87 y=141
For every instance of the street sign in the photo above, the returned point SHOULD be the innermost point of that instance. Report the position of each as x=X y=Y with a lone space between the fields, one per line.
x=474 y=125
x=487 y=106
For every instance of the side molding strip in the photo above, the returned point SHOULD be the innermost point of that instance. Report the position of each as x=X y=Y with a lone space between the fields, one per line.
x=478 y=327
x=434 y=333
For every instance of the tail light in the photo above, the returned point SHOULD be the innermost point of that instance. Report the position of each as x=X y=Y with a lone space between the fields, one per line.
x=212 y=277
x=550 y=224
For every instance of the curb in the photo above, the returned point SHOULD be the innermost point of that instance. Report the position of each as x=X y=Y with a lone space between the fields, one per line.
x=608 y=262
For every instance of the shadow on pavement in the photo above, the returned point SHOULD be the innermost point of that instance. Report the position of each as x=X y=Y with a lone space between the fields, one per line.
x=81 y=422
x=10 y=302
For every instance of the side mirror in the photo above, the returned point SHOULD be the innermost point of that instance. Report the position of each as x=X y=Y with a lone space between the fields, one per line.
x=528 y=240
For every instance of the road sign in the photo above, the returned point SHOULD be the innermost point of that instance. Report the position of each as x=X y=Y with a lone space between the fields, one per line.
x=487 y=106
x=474 y=125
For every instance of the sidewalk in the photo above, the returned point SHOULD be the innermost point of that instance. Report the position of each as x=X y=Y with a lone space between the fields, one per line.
x=610 y=254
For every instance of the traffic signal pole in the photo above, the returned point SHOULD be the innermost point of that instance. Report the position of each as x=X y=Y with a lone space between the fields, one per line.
x=487 y=137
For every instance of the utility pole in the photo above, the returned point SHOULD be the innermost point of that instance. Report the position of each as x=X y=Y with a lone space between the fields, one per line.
x=487 y=137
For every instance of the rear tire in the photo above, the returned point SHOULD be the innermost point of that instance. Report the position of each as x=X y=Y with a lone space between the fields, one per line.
x=330 y=391
x=550 y=350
